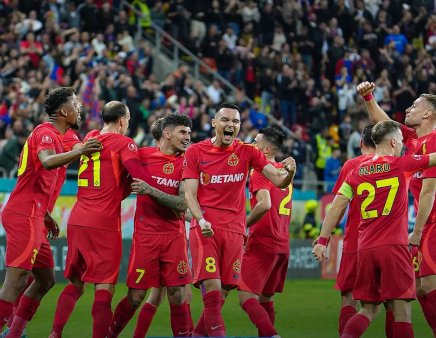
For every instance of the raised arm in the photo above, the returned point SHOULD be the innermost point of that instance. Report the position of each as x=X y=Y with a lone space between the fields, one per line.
x=174 y=202
x=262 y=206
x=376 y=114
x=50 y=160
x=281 y=178
x=332 y=218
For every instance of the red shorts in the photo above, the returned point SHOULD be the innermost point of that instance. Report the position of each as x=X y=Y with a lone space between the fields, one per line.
x=26 y=244
x=158 y=260
x=347 y=273
x=424 y=260
x=384 y=273
x=94 y=255
x=263 y=273
x=216 y=257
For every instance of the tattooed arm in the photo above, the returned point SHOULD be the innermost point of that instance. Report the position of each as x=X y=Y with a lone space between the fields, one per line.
x=174 y=202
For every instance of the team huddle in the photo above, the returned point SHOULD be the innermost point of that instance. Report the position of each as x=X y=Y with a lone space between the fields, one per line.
x=381 y=263
x=207 y=178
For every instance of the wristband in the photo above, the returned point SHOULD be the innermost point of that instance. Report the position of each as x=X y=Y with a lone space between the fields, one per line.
x=201 y=222
x=368 y=97
x=323 y=241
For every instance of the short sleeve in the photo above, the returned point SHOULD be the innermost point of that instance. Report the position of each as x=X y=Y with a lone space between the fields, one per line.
x=257 y=159
x=69 y=140
x=191 y=165
x=258 y=182
x=342 y=175
x=45 y=139
x=129 y=150
x=413 y=163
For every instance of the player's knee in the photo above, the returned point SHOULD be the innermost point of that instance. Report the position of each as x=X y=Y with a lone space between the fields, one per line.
x=136 y=298
x=176 y=295
x=426 y=286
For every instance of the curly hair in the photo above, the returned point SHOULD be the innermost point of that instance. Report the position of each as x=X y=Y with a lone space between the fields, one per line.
x=56 y=98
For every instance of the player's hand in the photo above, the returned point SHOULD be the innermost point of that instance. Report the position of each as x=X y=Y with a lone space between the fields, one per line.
x=365 y=88
x=140 y=187
x=52 y=227
x=206 y=228
x=91 y=145
x=319 y=252
x=315 y=242
x=415 y=238
x=289 y=164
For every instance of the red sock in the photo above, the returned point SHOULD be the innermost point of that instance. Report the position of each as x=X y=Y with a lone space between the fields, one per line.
x=17 y=302
x=259 y=317
x=346 y=313
x=428 y=311
x=191 y=323
x=101 y=313
x=389 y=324
x=213 y=318
x=122 y=315
x=65 y=306
x=403 y=330
x=200 y=328
x=144 y=320
x=6 y=309
x=269 y=308
x=355 y=326
x=180 y=320
x=25 y=312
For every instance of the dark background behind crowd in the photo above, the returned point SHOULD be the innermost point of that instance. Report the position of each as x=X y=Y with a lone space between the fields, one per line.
x=298 y=60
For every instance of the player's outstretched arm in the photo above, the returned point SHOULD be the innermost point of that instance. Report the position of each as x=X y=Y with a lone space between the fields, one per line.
x=376 y=114
x=262 y=206
x=426 y=200
x=280 y=178
x=332 y=218
x=174 y=202
x=51 y=160
x=191 y=189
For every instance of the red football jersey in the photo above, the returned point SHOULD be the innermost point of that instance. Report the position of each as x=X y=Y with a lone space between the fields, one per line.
x=35 y=185
x=380 y=186
x=353 y=218
x=420 y=146
x=271 y=232
x=69 y=140
x=162 y=172
x=222 y=173
x=102 y=180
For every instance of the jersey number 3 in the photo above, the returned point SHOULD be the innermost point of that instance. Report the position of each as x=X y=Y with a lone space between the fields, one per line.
x=392 y=183
x=95 y=158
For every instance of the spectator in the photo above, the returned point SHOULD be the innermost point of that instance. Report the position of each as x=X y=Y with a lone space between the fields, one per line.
x=332 y=168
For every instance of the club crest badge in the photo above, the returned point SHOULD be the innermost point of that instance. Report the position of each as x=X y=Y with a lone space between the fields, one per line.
x=168 y=168
x=182 y=268
x=233 y=160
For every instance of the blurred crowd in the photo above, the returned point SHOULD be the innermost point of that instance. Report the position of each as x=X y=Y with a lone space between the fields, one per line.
x=298 y=60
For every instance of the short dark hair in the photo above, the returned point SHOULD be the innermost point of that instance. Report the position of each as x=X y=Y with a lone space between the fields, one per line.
x=156 y=129
x=273 y=136
x=227 y=105
x=113 y=111
x=383 y=129
x=175 y=120
x=56 y=98
x=366 y=136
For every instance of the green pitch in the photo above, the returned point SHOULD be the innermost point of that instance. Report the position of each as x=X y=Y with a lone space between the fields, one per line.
x=308 y=308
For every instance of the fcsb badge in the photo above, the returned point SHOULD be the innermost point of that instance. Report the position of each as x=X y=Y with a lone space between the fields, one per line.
x=233 y=160
x=182 y=268
x=237 y=266
x=168 y=168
